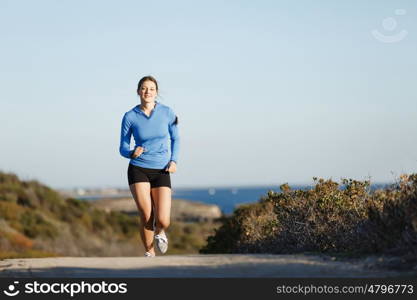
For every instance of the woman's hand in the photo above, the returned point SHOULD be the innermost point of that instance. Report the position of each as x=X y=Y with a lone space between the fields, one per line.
x=138 y=151
x=172 y=167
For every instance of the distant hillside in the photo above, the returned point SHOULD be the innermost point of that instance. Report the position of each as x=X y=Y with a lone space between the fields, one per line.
x=37 y=221
x=182 y=210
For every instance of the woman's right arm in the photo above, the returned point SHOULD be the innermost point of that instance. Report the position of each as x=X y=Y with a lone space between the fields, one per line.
x=125 y=135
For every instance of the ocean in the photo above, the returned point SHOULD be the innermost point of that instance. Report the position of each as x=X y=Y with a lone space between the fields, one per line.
x=226 y=198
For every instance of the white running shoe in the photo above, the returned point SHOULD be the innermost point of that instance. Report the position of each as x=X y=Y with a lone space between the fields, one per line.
x=161 y=242
x=147 y=254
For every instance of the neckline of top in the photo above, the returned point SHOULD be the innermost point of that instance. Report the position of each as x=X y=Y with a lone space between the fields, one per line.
x=152 y=111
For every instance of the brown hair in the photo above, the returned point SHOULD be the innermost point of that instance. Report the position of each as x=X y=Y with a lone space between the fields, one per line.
x=147 y=78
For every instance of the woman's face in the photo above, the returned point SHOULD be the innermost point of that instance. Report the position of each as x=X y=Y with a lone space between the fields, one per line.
x=147 y=91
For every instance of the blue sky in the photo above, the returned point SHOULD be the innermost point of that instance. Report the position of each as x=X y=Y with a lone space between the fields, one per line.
x=266 y=92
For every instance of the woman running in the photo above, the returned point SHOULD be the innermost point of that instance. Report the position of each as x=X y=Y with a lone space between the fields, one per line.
x=153 y=125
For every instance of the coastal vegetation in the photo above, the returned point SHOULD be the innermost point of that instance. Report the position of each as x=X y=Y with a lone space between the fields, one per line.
x=344 y=218
x=36 y=221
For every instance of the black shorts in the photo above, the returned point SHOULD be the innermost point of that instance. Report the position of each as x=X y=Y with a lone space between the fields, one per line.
x=156 y=177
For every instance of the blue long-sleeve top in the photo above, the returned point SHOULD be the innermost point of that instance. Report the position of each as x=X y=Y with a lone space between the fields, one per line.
x=158 y=134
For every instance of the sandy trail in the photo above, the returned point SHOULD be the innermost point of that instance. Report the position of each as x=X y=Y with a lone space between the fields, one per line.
x=231 y=265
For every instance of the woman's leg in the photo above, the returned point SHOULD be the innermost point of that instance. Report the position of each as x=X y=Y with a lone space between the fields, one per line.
x=141 y=194
x=162 y=200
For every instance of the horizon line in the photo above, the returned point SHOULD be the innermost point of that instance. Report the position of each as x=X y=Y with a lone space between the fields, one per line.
x=208 y=186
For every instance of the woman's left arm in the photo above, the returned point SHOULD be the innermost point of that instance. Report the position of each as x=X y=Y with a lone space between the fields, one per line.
x=175 y=141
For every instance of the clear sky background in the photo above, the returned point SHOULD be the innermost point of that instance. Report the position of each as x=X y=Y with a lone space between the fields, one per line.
x=266 y=91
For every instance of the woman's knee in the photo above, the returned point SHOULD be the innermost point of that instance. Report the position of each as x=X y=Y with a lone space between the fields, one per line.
x=163 y=223
x=146 y=219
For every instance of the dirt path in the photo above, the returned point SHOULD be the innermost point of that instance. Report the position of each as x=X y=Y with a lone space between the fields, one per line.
x=190 y=266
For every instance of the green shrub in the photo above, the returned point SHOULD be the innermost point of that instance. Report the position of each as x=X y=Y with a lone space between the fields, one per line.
x=34 y=225
x=333 y=218
x=123 y=224
x=189 y=237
